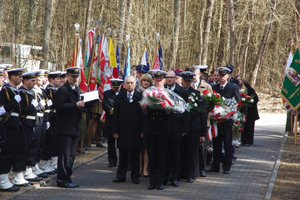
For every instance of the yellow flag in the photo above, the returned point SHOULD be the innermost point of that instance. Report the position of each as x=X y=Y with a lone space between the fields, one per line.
x=112 y=54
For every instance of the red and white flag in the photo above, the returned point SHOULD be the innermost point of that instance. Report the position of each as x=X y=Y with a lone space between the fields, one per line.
x=212 y=132
x=156 y=64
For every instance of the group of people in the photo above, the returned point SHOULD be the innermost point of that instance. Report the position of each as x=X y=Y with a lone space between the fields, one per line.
x=174 y=142
x=41 y=119
x=31 y=129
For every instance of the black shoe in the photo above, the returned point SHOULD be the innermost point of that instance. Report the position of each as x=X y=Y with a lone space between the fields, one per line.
x=70 y=180
x=226 y=172
x=11 y=189
x=151 y=187
x=36 y=179
x=190 y=180
x=29 y=183
x=118 y=180
x=100 y=145
x=174 y=183
x=43 y=175
x=110 y=165
x=22 y=185
x=146 y=176
x=136 y=181
x=247 y=145
x=66 y=185
x=212 y=170
x=202 y=173
x=114 y=165
x=160 y=187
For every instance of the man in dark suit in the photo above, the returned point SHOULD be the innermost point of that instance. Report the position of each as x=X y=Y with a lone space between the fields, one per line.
x=127 y=128
x=179 y=124
x=109 y=97
x=228 y=91
x=157 y=128
x=197 y=131
x=69 y=109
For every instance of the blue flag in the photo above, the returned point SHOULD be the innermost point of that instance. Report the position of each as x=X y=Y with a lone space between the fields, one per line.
x=127 y=64
x=118 y=59
x=160 y=58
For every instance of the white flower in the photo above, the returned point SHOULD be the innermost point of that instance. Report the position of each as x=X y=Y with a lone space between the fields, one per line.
x=196 y=98
x=243 y=99
x=195 y=105
x=193 y=100
x=242 y=91
x=209 y=94
x=223 y=98
x=251 y=100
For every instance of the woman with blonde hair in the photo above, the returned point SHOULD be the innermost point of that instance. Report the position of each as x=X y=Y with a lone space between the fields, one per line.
x=145 y=82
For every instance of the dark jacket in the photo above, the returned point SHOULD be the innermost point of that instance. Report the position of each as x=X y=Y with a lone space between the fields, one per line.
x=27 y=109
x=9 y=103
x=252 y=111
x=109 y=97
x=51 y=94
x=68 y=115
x=228 y=92
x=179 y=122
x=198 y=120
x=127 y=121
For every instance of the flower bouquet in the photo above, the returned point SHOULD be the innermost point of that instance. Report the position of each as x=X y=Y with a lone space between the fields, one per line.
x=224 y=111
x=246 y=99
x=160 y=98
x=238 y=122
x=193 y=106
x=211 y=99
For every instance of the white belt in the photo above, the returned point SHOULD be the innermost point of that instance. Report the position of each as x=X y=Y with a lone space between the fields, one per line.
x=14 y=114
x=47 y=111
x=40 y=114
x=31 y=117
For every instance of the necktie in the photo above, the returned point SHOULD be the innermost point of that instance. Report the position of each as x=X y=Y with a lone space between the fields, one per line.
x=221 y=87
x=130 y=97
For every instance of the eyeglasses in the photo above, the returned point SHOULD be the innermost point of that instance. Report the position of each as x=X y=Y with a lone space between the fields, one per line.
x=170 y=77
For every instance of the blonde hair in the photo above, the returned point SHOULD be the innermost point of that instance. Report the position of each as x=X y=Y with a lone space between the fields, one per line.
x=146 y=77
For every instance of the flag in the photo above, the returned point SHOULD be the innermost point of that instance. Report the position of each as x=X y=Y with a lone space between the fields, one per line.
x=156 y=64
x=145 y=59
x=118 y=62
x=112 y=54
x=291 y=85
x=93 y=70
x=288 y=63
x=127 y=64
x=88 y=53
x=161 y=63
x=79 y=62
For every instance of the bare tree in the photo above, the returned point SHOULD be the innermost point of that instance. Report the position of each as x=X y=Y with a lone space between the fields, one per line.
x=263 y=44
x=47 y=29
x=87 y=25
x=174 y=43
x=232 y=39
x=222 y=35
x=207 y=24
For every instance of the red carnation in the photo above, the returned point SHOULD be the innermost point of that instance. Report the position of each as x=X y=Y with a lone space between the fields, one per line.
x=205 y=92
x=241 y=129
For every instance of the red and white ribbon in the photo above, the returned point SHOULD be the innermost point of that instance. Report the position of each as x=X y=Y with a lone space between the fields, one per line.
x=212 y=132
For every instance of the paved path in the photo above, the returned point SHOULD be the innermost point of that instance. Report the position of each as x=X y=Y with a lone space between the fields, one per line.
x=248 y=179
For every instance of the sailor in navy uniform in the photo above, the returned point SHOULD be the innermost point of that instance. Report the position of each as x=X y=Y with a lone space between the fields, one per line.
x=10 y=98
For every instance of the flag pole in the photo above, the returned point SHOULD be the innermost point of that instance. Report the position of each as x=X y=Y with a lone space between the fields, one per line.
x=76 y=43
x=296 y=117
x=156 y=45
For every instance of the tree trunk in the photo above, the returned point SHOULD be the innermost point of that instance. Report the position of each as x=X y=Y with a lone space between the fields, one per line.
x=245 y=39
x=207 y=24
x=174 y=43
x=263 y=44
x=87 y=26
x=47 y=29
x=202 y=11
x=222 y=35
x=232 y=39
x=1 y=13
x=121 y=26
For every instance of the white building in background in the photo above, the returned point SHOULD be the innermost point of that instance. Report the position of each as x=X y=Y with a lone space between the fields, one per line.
x=25 y=56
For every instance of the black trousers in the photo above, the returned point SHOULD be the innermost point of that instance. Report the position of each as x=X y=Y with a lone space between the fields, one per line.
x=123 y=163
x=66 y=156
x=22 y=154
x=173 y=157
x=248 y=134
x=226 y=137
x=111 y=146
x=51 y=142
x=157 y=148
x=42 y=139
x=32 y=155
x=9 y=149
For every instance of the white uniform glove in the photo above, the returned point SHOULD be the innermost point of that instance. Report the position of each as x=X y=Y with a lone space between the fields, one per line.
x=48 y=125
x=2 y=111
x=17 y=98
x=34 y=103
x=42 y=102
x=49 y=103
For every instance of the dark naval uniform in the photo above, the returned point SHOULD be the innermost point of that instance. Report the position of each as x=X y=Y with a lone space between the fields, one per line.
x=179 y=123
x=68 y=124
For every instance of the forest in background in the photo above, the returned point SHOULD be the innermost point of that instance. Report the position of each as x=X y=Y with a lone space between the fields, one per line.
x=254 y=36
